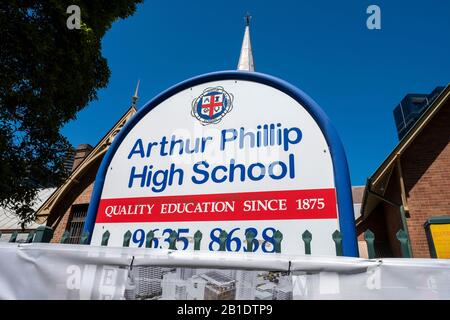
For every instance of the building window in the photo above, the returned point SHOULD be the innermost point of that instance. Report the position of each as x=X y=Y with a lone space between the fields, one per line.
x=76 y=222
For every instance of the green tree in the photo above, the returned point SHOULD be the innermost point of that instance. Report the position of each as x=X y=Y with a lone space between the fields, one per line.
x=48 y=73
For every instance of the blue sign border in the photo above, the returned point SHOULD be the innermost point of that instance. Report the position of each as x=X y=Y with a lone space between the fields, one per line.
x=340 y=166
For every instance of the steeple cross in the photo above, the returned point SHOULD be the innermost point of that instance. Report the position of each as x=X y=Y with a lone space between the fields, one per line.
x=247 y=19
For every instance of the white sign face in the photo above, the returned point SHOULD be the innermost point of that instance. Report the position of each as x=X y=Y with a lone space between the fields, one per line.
x=229 y=155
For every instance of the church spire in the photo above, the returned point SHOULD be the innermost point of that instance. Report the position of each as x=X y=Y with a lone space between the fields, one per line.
x=135 y=97
x=246 y=58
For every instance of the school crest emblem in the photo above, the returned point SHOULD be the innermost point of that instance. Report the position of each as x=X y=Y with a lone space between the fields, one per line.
x=212 y=105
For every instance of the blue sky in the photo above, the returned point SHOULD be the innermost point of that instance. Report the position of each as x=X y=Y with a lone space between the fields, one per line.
x=323 y=47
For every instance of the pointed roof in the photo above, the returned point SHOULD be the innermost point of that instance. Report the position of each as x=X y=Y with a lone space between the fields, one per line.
x=75 y=176
x=246 y=62
x=378 y=183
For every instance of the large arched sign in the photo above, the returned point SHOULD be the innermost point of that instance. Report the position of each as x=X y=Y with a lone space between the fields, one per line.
x=233 y=151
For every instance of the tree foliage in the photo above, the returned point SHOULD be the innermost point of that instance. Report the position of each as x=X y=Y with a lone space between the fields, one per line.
x=48 y=73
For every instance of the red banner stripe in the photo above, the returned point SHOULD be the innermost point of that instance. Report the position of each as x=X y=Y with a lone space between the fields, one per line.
x=268 y=205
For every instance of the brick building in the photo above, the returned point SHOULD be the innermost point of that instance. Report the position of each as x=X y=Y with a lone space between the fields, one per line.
x=66 y=208
x=411 y=188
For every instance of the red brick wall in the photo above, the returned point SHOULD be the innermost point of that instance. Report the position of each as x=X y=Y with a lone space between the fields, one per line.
x=426 y=170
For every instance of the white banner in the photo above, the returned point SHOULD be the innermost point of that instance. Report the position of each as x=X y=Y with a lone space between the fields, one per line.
x=61 y=271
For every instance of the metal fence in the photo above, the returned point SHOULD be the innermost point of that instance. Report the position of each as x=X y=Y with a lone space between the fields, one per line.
x=45 y=234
